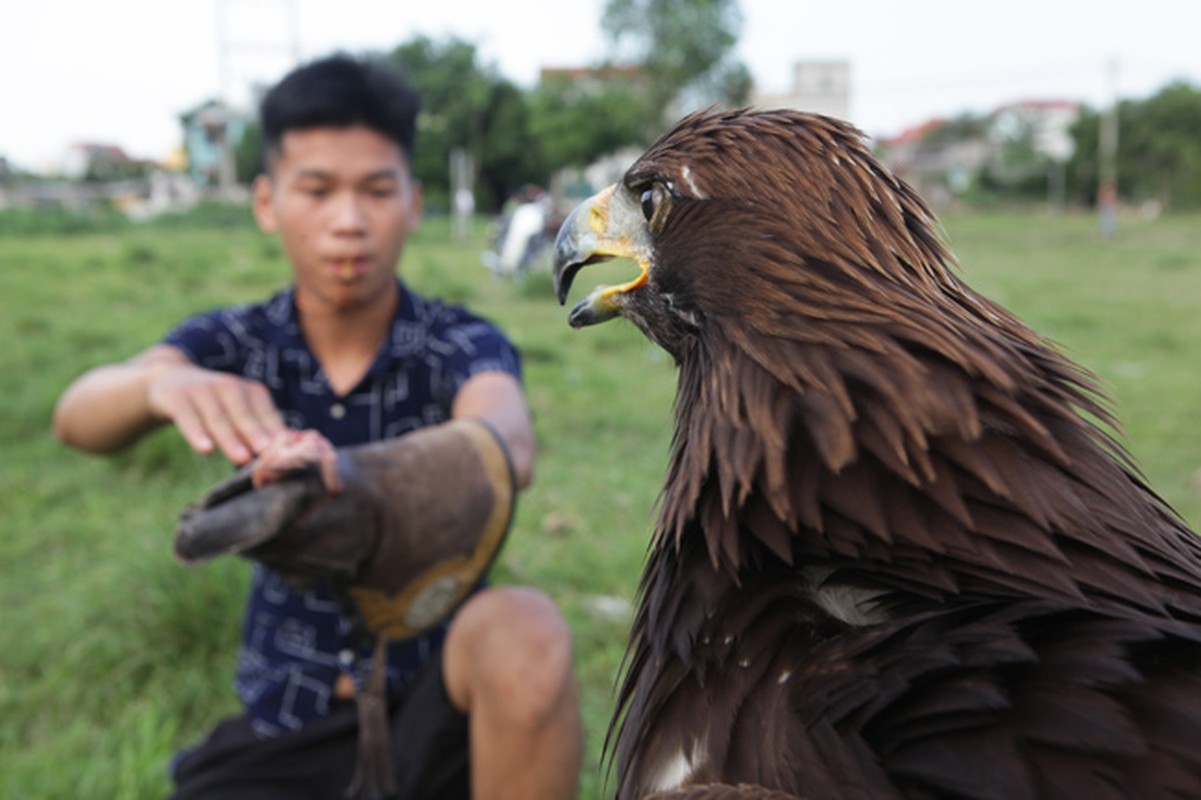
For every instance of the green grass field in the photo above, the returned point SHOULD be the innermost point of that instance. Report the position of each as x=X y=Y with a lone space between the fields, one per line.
x=112 y=655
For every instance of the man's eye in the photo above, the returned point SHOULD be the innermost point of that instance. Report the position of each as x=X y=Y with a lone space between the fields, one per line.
x=315 y=191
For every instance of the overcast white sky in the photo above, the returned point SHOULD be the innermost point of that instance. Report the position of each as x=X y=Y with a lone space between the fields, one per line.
x=120 y=71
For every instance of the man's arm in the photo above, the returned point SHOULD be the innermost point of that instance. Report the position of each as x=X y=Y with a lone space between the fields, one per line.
x=112 y=406
x=497 y=397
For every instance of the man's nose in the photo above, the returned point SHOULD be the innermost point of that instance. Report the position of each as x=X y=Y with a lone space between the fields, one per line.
x=349 y=214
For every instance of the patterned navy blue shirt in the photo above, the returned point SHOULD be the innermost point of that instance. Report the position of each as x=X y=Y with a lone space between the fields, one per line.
x=295 y=644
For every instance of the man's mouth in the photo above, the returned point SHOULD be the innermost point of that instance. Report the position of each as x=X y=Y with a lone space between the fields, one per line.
x=349 y=269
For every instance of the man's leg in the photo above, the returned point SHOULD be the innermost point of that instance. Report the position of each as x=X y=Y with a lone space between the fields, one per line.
x=234 y=764
x=429 y=742
x=507 y=664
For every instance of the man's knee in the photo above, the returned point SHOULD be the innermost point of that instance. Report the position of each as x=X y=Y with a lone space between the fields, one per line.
x=510 y=646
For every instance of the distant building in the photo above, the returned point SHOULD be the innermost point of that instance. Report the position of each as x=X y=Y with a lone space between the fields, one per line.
x=212 y=132
x=823 y=87
x=98 y=162
x=939 y=157
x=942 y=158
x=1048 y=121
x=586 y=81
x=591 y=77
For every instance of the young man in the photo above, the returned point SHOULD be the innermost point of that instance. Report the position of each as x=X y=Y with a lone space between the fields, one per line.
x=352 y=353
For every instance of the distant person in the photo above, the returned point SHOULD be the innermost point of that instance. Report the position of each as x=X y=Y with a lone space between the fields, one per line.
x=464 y=209
x=522 y=233
x=486 y=705
x=1107 y=209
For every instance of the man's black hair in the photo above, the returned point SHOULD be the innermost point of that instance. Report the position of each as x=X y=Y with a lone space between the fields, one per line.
x=339 y=91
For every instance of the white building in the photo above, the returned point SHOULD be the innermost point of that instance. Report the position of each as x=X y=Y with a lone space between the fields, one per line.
x=823 y=87
x=1048 y=122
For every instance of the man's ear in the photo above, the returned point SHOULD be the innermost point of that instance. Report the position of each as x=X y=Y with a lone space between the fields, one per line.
x=264 y=211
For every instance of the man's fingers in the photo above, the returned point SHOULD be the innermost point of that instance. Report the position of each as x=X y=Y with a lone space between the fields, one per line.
x=328 y=464
x=215 y=417
x=291 y=451
x=270 y=421
x=251 y=414
x=189 y=425
x=215 y=410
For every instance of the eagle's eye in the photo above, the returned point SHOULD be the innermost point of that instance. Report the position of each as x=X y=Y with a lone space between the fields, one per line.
x=655 y=200
x=648 y=204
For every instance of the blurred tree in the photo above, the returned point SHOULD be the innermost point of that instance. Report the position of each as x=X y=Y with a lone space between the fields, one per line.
x=1159 y=150
x=684 y=47
x=1016 y=168
x=1083 y=172
x=470 y=106
x=1161 y=147
x=515 y=137
x=510 y=154
x=248 y=155
x=966 y=126
x=103 y=169
x=575 y=119
x=734 y=84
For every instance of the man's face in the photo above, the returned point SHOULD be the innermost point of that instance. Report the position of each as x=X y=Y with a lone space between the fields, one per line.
x=342 y=202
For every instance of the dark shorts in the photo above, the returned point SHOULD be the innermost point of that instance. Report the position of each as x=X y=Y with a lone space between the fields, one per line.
x=429 y=747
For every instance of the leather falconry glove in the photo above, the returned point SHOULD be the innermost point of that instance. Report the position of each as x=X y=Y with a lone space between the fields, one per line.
x=405 y=530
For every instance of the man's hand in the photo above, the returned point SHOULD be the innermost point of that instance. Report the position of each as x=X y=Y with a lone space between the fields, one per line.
x=291 y=451
x=214 y=410
x=112 y=406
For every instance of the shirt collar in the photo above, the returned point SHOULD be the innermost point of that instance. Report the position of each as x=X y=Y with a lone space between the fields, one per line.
x=406 y=334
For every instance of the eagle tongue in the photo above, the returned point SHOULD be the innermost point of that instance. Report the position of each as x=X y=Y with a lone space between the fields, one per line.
x=593 y=309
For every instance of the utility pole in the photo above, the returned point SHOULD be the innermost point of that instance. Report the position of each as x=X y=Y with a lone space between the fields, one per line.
x=244 y=62
x=1107 y=184
x=462 y=192
x=254 y=36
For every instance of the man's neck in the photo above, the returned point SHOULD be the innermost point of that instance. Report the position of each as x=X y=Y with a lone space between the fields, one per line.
x=346 y=342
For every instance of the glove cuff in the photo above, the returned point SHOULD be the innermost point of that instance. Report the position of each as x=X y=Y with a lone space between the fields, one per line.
x=484 y=479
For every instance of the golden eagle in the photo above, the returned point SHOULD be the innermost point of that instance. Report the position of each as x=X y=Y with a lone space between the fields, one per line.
x=896 y=553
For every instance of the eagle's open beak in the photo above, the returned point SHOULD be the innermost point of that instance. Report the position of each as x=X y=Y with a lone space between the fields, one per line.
x=607 y=225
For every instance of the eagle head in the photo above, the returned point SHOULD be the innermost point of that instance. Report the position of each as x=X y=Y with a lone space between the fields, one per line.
x=743 y=214
x=623 y=221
